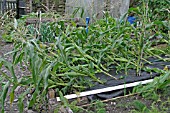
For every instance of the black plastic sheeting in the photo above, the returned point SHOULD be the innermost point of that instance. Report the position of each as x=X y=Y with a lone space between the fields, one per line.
x=130 y=78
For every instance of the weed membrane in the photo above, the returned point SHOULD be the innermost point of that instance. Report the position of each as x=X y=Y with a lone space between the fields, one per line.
x=129 y=77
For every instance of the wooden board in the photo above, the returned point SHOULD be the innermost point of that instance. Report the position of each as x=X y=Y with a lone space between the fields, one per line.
x=97 y=91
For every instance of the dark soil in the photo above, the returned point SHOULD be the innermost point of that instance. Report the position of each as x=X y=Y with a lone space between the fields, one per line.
x=127 y=104
x=120 y=105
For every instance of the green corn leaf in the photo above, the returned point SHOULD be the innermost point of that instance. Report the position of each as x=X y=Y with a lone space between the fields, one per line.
x=19 y=58
x=12 y=97
x=12 y=52
x=122 y=59
x=83 y=54
x=7 y=77
x=82 y=12
x=21 y=99
x=89 y=57
x=63 y=99
x=71 y=74
x=140 y=106
x=165 y=77
x=10 y=67
x=67 y=30
x=1 y=64
x=4 y=95
x=75 y=12
x=12 y=93
x=36 y=45
x=33 y=98
x=46 y=76
x=26 y=81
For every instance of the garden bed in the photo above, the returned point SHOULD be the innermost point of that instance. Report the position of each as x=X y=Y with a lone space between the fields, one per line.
x=101 y=91
x=111 y=104
x=102 y=60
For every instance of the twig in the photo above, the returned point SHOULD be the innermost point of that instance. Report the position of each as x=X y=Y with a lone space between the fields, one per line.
x=107 y=100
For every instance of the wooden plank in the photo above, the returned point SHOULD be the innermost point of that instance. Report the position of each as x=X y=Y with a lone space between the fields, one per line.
x=7 y=5
x=3 y=6
x=37 y=20
x=97 y=91
x=0 y=6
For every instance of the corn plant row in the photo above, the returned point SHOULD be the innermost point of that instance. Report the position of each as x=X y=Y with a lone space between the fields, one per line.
x=66 y=58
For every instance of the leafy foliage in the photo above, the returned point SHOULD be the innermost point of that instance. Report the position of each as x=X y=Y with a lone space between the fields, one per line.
x=64 y=57
x=140 y=107
x=151 y=90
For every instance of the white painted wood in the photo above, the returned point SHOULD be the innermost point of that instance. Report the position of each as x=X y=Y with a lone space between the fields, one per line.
x=97 y=91
x=95 y=8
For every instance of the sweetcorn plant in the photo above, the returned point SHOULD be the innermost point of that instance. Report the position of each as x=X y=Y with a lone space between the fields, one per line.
x=158 y=10
x=73 y=57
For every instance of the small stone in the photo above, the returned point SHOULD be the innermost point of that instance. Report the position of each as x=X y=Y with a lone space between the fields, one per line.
x=17 y=89
x=5 y=71
x=15 y=100
x=69 y=110
x=29 y=95
x=62 y=110
x=52 y=101
x=51 y=93
x=30 y=111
